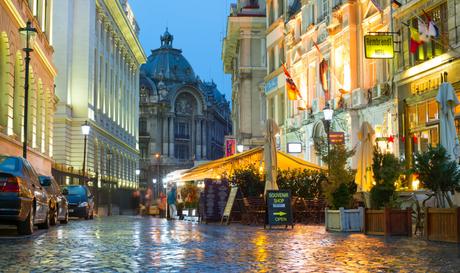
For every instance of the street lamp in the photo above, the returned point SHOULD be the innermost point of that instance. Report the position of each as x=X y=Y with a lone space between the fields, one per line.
x=85 y=129
x=157 y=186
x=109 y=208
x=138 y=172
x=28 y=34
x=328 y=115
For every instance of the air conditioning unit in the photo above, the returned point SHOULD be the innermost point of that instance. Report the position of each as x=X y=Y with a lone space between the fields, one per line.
x=358 y=98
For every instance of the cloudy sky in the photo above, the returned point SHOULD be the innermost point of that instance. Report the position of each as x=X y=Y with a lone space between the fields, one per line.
x=198 y=27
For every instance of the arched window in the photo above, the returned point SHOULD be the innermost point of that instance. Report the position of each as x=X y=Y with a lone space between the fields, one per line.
x=18 y=104
x=40 y=123
x=6 y=92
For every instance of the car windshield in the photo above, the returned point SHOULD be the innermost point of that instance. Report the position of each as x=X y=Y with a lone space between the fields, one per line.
x=8 y=164
x=76 y=190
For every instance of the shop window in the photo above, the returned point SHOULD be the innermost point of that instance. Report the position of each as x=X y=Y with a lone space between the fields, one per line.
x=436 y=46
x=432 y=110
x=421 y=113
x=423 y=139
x=457 y=109
x=412 y=116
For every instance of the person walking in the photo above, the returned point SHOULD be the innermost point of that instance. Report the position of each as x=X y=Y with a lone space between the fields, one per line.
x=172 y=195
x=162 y=205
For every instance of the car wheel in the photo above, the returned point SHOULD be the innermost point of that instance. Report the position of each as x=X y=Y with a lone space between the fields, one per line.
x=66 y=219
x=54 y=216
x=46 y=223
x=26 y=227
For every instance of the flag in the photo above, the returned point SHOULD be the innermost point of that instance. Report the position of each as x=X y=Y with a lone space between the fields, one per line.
x=424 y=34
x=415 y=41
x=377 y=5
x=292 y=90
x=323 y=67
x=395 y=4
x=432 y=28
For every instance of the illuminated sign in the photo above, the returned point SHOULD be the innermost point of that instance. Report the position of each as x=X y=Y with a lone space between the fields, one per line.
x=230 y=146
x=279 y=210
x=336 y=137
x=294 y=147
x=379 y=46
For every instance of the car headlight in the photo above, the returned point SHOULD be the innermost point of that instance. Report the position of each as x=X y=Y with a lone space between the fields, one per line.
x=83 y=204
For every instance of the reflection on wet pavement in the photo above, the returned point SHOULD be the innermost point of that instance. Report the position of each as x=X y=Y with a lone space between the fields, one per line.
x=137 y=244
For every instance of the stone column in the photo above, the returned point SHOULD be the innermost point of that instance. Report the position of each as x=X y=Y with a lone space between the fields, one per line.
x=171 y=136
x=199 y=143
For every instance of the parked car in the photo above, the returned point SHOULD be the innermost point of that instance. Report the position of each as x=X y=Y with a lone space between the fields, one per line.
x=23 y=201
x=59 y=210
x=81 y=201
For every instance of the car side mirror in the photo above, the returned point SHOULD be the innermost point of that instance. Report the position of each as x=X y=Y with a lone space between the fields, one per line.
x=65 y=191
x=45 y=182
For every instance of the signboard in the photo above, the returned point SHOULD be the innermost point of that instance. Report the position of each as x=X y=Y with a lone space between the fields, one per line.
x=379 y=46
x=230 y=146
x=214 y=199
x=271 y=85
x=337 y=137
x=294 y=147
x=279 y=210
x=229 y=206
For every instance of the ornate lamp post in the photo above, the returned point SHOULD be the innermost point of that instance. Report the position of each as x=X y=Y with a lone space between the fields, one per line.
x=28 y=34
x=85 y=129
x=328 y=115
x=109 y=208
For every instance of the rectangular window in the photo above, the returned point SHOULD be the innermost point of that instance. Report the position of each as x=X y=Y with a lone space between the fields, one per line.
x=281 y=109
x=435 y=46
x=281 y=54
x=271 y=60
x=280 y=8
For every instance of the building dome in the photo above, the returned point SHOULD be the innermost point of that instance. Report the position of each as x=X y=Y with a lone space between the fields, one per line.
x=168 y=64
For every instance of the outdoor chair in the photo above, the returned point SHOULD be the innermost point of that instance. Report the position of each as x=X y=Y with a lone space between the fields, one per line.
x=256 y=210
x=299 y=210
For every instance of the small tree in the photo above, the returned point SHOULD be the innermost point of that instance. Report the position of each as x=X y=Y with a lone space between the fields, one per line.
x=387 y=169
x=438 y=173
x=340 y=186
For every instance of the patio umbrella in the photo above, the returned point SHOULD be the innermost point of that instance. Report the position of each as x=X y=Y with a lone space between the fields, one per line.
x=364 y=175
x=447 y=100
x=271 y=164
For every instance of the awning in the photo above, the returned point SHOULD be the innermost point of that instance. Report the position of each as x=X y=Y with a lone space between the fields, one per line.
x=215 y=169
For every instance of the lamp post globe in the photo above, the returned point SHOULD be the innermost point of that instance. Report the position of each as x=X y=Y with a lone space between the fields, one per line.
x=85 y=130
x=28 y=34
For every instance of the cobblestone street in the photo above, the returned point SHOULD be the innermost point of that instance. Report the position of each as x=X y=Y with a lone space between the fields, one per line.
x=136 y=244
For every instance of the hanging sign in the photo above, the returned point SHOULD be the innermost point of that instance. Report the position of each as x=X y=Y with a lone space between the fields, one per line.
x=230 y=146
x=379 y=46
x=337 y=137
x=279 y=210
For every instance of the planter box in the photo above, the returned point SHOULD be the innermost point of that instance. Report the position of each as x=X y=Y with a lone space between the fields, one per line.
x=388 y=222
x=345 y=220
x=442 y=224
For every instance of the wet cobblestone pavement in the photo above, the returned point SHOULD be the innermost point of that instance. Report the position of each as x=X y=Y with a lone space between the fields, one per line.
x=137 y=244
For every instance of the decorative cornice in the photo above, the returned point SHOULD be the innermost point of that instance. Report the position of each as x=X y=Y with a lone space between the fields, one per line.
x=119 y=16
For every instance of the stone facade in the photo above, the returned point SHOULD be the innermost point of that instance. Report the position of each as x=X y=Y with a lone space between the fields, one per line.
x=244 y=58
x=98 y=55
x=183 y=120
x=13 y=15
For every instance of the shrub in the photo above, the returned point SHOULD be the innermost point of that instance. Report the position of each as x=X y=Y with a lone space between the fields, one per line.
x=190 y=194
x=438 y=173
x=248 y=180
x=302 y=183
x=387 y=169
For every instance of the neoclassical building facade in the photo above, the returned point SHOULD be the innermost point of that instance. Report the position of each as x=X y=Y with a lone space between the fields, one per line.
x=183 y=120
x=98 y=55
x=244 y=57
x=14 y=14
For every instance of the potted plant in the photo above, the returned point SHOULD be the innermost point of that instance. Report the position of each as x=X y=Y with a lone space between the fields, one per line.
x=385 y=217
x=440 y=175
x=339 y=189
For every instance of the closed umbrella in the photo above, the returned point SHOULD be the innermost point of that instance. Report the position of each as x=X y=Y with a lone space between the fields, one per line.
x=364 y=175
x=447 y=100
x=271 y=164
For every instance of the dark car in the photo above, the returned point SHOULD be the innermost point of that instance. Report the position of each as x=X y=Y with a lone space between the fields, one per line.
x=58 y=203
x=81 y=201
x=23 y=201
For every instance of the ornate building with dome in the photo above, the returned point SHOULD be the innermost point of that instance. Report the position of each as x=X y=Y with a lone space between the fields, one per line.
x=183 y=119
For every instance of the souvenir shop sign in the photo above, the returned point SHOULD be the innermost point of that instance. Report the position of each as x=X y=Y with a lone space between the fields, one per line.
x=379 y=46
x=279 y=209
